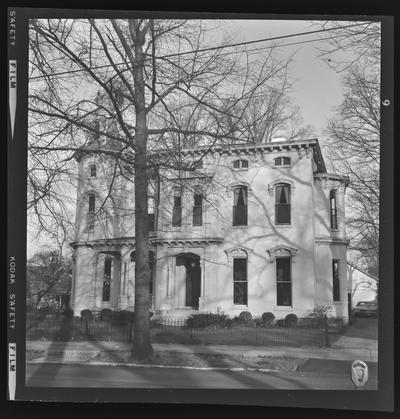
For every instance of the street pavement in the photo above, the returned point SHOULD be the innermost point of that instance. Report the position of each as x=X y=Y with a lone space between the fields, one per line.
x=91 y=376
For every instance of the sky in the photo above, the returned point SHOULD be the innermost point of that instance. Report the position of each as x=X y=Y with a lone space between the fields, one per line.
x=318 y=88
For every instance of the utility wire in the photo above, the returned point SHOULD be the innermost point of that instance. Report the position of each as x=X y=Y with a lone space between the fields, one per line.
x=222 y=47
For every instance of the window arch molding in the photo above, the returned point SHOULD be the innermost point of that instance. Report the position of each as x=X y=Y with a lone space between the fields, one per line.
x=281 y=251
x=238 y=184
x=280 y=181
x=238 y=252
x=90 y=192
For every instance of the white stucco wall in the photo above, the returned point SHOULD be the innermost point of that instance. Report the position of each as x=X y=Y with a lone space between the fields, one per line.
x=309 y=237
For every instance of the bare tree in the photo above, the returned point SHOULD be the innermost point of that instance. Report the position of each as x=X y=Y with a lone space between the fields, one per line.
x=352 y=42
x=140 y=85
x=354 y=151
x=47 y=271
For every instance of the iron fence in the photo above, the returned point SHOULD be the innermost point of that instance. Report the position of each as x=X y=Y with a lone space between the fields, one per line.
x=173 y=330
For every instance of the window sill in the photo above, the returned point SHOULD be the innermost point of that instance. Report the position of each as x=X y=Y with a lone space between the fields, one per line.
x=238 y=227
x=283 y=225
x=287 y=166
x=283 y=308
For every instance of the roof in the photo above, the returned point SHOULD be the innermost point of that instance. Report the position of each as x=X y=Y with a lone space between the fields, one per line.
x=236 y=148
x=239 y=148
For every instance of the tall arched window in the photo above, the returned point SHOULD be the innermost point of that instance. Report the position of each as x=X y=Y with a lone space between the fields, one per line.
x=335 y=280
x=282 y=204
x=240 y=281
x=333 y=210
x=283 y=281
x=239 y=206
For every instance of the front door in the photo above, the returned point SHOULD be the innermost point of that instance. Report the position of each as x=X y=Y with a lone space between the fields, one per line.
x=193 y=276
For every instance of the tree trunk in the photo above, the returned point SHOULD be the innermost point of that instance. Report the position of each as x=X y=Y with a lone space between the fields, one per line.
x=141 y=339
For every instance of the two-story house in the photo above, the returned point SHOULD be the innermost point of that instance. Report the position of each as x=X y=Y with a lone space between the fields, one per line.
x=259 y=228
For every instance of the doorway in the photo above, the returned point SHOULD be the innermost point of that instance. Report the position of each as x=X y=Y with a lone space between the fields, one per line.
x=191 y=262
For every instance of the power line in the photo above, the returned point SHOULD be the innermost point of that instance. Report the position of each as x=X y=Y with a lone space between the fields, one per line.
x=221 y=47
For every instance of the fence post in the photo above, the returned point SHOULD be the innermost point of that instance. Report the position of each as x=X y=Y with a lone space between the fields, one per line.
x=87 y=333
x=130 y=331
x=326 y=328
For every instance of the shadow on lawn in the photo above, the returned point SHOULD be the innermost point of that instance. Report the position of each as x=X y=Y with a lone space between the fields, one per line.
x=61 y=340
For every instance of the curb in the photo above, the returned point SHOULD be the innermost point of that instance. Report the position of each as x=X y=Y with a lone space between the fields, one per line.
x=130 y=364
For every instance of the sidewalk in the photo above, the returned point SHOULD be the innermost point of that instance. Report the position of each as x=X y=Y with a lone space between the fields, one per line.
x=344 y=349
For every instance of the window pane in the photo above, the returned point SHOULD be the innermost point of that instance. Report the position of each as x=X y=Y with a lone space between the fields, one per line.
x=239 y=206
x=240 y=216
x=198 y=199
x=284 y=294
x=334 y=224
x=240 y=281
x=107 y=280
x=278 y=161
x=282 y=214
x=240 y=293
x=92 y=201
x=283 y=269
x=197 y=216
x=336 y=281
x=93 y=170
x=245 y=163
x=333 y=199
x=283 y=281
x=332 y=196
x=286 y=160
x=151 y=221
x=240 y=200
x=236 y=164
x=240 y=269
x=177 y=201
x=282 y=194
x=150 y=204
x=176 y=216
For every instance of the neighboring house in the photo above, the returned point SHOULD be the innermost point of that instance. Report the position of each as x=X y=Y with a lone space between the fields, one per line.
x=259 y=228
x=361 y=285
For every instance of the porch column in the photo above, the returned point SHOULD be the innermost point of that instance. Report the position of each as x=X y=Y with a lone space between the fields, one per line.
x=73 y=285
x=123 y=301
x=116 y=280
x=203 y=291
